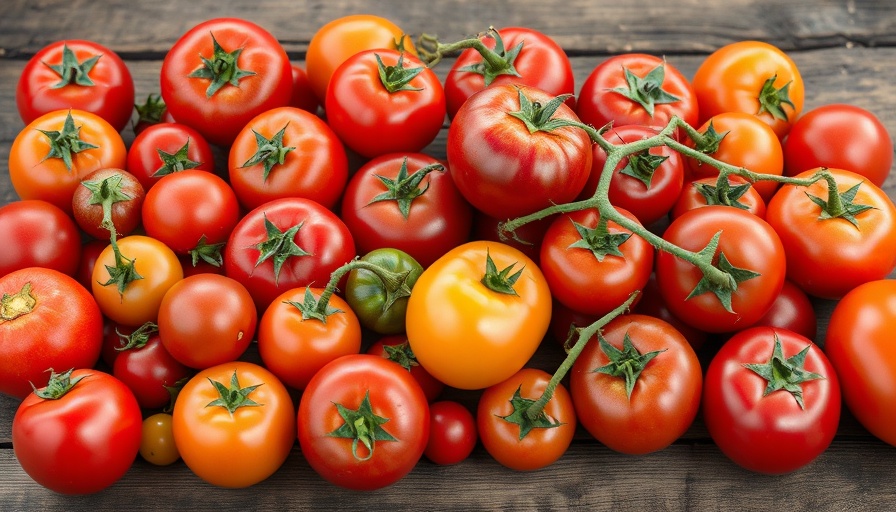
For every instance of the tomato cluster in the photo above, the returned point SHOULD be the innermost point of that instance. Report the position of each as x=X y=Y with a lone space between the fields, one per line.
x=334 y=279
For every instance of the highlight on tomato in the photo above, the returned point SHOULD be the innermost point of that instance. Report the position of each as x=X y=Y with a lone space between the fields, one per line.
x=166 y=148
x=38 y=234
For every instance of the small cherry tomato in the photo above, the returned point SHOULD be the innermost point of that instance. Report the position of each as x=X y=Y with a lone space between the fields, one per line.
x=157 y=440
x=452 y=433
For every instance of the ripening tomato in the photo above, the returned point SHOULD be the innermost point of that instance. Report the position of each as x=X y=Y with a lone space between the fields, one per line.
x=38 y=234
x=120 y=190
x=166 y=148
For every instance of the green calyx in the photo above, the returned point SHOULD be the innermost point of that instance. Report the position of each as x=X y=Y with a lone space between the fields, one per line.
x=124 y=272
x=279 y=246
x=152 y=110
x=724 y=280
x=221 y=69
x=723 y=194
x=599 y=240
x=526 y=421
x=642 y=166
x=786 y=374
x=495 y=62
x=647 y=91
x=71 y=71
x=106 y=192
x=234 y=396
x=175 y=162
x=209 y=253
x=58 y=386
x=362 y=426
x=18 y=304
x=397 y=78
x=627 y=363
x=66 y=142
x=500 y=281
x=709 y=140
x=401 y=354
x=772 y=100
x=270 y=152
x=538 y=117
x=310 y=307
x=139 y=338
x=840 y=205
x=405 y=188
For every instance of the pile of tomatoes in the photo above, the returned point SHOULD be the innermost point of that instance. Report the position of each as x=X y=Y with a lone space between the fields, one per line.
x=370 y=275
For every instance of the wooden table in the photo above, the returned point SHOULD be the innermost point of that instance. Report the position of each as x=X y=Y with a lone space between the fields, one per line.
x=845 y=50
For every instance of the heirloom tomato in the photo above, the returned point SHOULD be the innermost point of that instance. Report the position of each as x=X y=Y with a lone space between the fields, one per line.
x=452 y=433
x=118 y=189
x=166 y=148
x=37 y=234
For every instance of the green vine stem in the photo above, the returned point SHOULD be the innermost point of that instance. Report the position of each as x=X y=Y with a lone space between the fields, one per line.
x=431 y=51
x=395 y=283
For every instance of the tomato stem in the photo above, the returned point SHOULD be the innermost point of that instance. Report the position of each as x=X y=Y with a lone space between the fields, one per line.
x=395 y=284
x=494 y=62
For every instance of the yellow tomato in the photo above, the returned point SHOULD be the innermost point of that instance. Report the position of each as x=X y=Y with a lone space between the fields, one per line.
x=157 y=442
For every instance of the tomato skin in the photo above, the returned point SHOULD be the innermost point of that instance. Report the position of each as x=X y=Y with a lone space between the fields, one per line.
x=63 y=330
x=111 y=97
x=691 y=197
x=769 y=434
x=34 y=176
x=125 y=214
x=239 y=449
x=38 y=234
x=144 y=160
x=792 y=310
x=493 y=156
x=431 y=386
x=302 y=95
x=859 y=343
x=84 y=441
x=369 y=297
x=452 y=315
x=220 y=116
x=666 y=396
x=541 y=447
x=147 y=371
x=829 y=257
x=157 y=440
x=452 y=433
x=393 y=394
x=839 y=136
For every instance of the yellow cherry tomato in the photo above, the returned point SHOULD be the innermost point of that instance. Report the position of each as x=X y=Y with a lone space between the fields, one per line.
x=157 y=442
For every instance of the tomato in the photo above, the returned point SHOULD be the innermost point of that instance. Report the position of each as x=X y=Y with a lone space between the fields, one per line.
x=792 y=310
x=771 y=400
x=636 y=388
x=138 y=301
x=477 y=314
x=647 y=184
x=295 y=341
x=363 y=422
x=337 y=40
x=753 y=77
x=49 y=157
x=859 y=344
x=839 y=136
x=78 y=435
x=832 y=250
x=146 y=367
x=151 y=112
x=754 y=259
x=76 y=74
x=378 y=291
x=593 y=267
x=564 y=321
x=407 y=202
x=397 y=349
x=284 y=244
x=38 y=234
x=706 y=191
x=166 y=148
x=651 y=303
x=494 y=157
x=206 y=319
x=385 y=101
x=510 y=436
x=48 y=321
x=157 y=440
x=90 y=251
x=234 y=424
x=302 y=95
x=223 y=72
x=287 y=152
x=452 y=433
x=118 y=189
x=527 y=238
x=636 y=88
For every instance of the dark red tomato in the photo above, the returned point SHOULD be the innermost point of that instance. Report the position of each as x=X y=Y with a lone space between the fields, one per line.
x=647 y=184
x=537 y=59
x=223 y=72
x=526 y=238
x=840 y=136
x=792 y=310
x=385 y=101
x=753 y=418
x=397 y=349
x=76 y=74
x=118 y=189
x=287 y=152
x=284 y=244
x=49 y=321
x=37 y=234
x=81 y=436
x=452 y=433
x=90 y=253
x=166 y=148
x=705 y=191
x=651 y=303
x=363 y=422
x=303 y=96
x=636 y=88
x=505 y=168
x=146 y=367
x=753 y=258
x=407 y=202
x=114 y=339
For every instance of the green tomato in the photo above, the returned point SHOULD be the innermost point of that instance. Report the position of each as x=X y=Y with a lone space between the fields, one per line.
x=378 y=289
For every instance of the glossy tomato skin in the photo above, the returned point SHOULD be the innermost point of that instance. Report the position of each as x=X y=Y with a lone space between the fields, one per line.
x=149 y=371
x=665 y=398
x=827 y=257
x=219 y=115
x=494 y=157
x=125 y=213
x=62 y=329
x=370 y=297
x=316 y=168
x=542 y=446
x=373 y=120
x=859 y=343
x=792 y=310
x=392 y=394
x=238 y=449
x=144 y=158
x=84 y=441
x=157 y=440
x=397 y=349
x=769 y=433
x=840 y=136
x=302 y=95
x=691 y=197
x=41 y=89
x=540 y=63
x=321 y=234
x=747 y=242
x=452 y=433
x=468 y=335
x=38 y=234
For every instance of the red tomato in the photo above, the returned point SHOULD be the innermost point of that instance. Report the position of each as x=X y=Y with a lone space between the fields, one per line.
x=146 y=367
x=90 y=251
x=38 y=234
x=120 y=190
x=79 y=436
x=166 y=148
x=49 y=321
x=223 y=72
x=771 y=400
x=363 y=422
x=452 y=433
x=302 y=95
x=397 y=349
x=792 y=310
x=76 y=74
x=651 y=303
x=706 y=191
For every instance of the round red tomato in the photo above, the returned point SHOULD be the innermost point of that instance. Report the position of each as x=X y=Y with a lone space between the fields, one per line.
x=114 y=189
x=302 y=95
x=452 y=433
x=38 y=234
x=706 y=191
x=146 y=367
x=166 y=148
x=397 y=349
x=651 y=303
x=792 y=310
x=363 y=422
